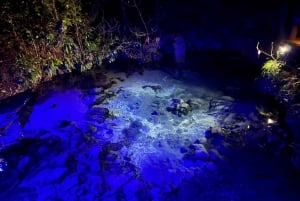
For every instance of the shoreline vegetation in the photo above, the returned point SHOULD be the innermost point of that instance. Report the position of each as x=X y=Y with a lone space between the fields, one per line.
x=43 y=39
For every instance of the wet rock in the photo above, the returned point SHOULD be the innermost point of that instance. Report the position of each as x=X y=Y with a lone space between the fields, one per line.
x=200 y=152
x=154 y=113
x=126 y=94
x=216 y=130
x=293 y=122
x=135 y=129
x=92 y=129
x=134 y=106
x=114 y=146
x=94 y=91
x=179 y=107
x=24 y=193
x=49 y=175
x=108 y=157
x=96 y=111
x=214 y=154
x=23 y=164
x=154 y=88
x=211 y=167
x=54 y=144
x=98 y=114
x=196 y=103
x=109 y=92
x=208 y=134
x=25 y=115
x=3 y=165
x=197 y=141
x=219 y=105
x=155 y=104
x=99 y=100
x=71 y=162
x=64 y=123
x=131 y=188
x=199 y=146
x=81 y=178
x=183 y=150
x=192 y=147
x=90 y=139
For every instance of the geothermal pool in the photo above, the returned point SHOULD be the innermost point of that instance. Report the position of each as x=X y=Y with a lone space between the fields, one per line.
x=144 y=136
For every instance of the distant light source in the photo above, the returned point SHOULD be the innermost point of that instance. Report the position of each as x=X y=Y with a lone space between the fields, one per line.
x=283 y=49
x=258 y=52
x=270 y=121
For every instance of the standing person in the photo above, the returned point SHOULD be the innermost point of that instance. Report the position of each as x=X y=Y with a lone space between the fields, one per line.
x=179 y=52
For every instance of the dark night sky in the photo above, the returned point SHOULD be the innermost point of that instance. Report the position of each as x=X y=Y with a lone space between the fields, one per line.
x=214 y=11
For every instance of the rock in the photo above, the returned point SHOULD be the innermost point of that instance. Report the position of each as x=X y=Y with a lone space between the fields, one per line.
x=183 y=150
x=23 y=164
x=211 y=167
x=154 y=113
x=48 y=176
x=135 y=129
x=219 y=105
x=293 y=122
x=216 y=130
x=99 y=111
x=98 y=114
x=197 y=141
x=92 y=129
x=3 y=165
x=214 y=154
x=155 y=104
x=114 y=146
x=100 y=99
x=42 y=151
x=196 y=104
x=134 y=106
x=208 y=134
x=179 y=107
x=71 y=162
x=64 y=123
x=95 y=91
x=201 y=154
x=192 y=147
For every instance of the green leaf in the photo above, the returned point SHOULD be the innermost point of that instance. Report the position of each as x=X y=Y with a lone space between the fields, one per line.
x=271 y=67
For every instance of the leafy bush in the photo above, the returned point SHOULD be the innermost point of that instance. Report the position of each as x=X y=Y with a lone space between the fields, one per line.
x=274 y=62
x=271 y=67
x=50 y=36
x=283 y=78
x=54 y=37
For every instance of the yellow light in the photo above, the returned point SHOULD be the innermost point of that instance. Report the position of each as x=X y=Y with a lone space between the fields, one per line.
x=283 y=49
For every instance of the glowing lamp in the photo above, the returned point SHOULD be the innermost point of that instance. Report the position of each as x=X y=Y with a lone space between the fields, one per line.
x=270 y=121
x=283 y=49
